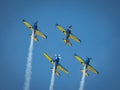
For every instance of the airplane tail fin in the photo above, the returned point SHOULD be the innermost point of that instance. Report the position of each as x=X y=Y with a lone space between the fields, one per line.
x=86 y=73
x=56 y=72
x=35 y=38
x=67 y=42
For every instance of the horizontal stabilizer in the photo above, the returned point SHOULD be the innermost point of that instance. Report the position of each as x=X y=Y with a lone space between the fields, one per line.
x=56 y=72
x=86 y=73
x=35 y=38
x=67 y=42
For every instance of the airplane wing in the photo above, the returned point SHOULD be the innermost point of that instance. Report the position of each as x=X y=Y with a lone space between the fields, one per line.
x=89 y=67
x=61 y=29
x=41 y=34
x=49 y=58
x=62 y=69
x=28 y=25
x=79 y=59
x=74 y=38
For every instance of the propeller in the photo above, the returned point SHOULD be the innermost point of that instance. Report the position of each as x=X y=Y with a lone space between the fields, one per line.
x=59 y=56
x=89 y=58
x=70 y=26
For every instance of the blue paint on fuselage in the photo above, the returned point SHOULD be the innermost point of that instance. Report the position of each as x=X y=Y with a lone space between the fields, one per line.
x=57 y=59
x=87 y=61
x=68 y=32
x=35 y=26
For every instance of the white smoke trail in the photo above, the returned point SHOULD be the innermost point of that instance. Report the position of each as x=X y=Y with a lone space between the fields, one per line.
x=28 y=71
x=52 y=78
x=83 y=79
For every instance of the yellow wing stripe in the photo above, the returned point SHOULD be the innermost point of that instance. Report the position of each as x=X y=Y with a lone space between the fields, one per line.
x=49 y=58
x=74 y=38
x=61 y=28
x=41 y=34
x=28 y=25
x=62 y=69
x=92 y=69
x=79 y=59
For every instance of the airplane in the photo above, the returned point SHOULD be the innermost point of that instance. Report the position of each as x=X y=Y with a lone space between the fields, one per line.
x=57 y=65
x=88 y=66
x=35 y=29
x=68 y=34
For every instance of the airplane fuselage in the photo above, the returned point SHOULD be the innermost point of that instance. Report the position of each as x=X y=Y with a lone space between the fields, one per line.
x=35 y=26
x=87 y=61
x=68 y=32
x=56 y=63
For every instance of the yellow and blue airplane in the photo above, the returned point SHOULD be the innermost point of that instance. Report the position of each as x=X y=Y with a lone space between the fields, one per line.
x=86 y=62
x=57 y=65
x=68 y=34
x=35 y=29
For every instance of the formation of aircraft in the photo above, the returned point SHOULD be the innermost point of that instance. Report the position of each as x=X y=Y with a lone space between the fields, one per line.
x=35 y=29
x=55 y=61
x=57 y=64
x=68 y=34
x=87 y=63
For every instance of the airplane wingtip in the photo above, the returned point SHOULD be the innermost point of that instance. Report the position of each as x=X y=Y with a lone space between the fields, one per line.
x=57 y=24
x=23 y=20
x=75 y=54
x=79 y=40
x=45 y=37
x=97 y=73
x=44 y=53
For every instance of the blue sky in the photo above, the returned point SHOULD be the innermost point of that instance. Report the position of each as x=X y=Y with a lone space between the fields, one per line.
x=95 y=22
